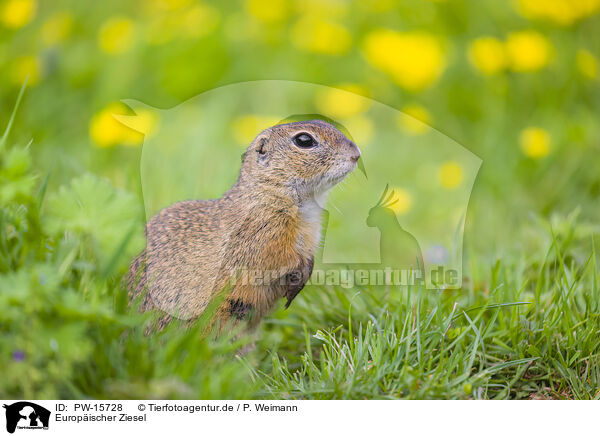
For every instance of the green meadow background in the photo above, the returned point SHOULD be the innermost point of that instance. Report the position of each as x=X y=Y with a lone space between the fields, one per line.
x=515 y=82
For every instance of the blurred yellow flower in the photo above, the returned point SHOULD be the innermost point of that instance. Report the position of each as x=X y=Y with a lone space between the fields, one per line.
x=361 y=128
x=414 y=119
x=160 y=30
x=376 y=6
x=144 y=121
x=246 y=127
x=199 y=20
x=320 y=36
x=487 y=54
x=166 y=5
x=268 y=11
x=237 y=27
x=562 y=12
x=323 y=8
x=116 y=35
x=17 y=13
x=414 y=60
x=587 y=64
x=26 y=67
x=535 y=142
x=341 y=103
x=528 y=51
x=106 y=130
x=57 y=28
x=404 y=201
x=450 y=175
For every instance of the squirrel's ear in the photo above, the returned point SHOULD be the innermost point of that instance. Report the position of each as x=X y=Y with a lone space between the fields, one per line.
x=261 y=149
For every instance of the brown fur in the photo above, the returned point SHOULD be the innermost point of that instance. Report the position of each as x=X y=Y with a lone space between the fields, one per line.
x=268 y=221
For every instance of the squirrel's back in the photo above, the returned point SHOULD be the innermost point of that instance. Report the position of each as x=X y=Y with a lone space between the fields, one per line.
x=182 y=240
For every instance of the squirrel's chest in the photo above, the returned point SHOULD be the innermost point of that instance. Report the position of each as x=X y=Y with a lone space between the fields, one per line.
x=309 y=228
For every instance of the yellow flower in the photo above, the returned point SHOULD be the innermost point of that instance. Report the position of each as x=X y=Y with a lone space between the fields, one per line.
x=26 y=67
x=404 y=201
x=57 y=28
x=376 y=6
x=17 y=13
x=341 y=103
x=361 y=128
x=237 y=27
x=199 y=20
x=450 y=175
x=414 y=119
x=166 y=5
x=160 y=30
x=144 y=121
x=487 y=54
x=535 y=142
x=116 y=35
x=106 y=130
x=562 y=12
x=320 y=36
x=528 y=51
x=323 y=8
x=246 y=127
x=268 y=11
x=414 y=60
x=587 y=64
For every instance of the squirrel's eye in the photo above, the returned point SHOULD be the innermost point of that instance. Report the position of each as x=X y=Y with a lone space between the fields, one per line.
x=304 y=140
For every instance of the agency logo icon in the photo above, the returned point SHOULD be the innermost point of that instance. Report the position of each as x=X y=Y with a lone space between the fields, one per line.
x=25 y=415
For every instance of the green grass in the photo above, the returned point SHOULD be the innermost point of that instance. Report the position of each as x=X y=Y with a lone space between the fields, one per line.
x=525 y=332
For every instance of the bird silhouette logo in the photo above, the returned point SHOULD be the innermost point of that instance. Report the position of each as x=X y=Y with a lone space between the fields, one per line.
x=398 y=248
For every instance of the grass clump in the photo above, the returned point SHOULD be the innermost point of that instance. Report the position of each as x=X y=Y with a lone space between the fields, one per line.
x=528 y=331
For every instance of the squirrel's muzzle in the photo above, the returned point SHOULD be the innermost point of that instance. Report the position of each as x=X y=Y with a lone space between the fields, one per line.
x=354 y=152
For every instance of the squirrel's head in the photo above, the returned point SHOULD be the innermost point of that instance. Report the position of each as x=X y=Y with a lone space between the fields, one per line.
x=304 y=158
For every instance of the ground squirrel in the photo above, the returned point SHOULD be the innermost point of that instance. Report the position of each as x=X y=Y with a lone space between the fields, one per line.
x=259 y=239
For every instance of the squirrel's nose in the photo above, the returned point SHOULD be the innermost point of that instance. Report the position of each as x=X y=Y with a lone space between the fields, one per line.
x=355 y=154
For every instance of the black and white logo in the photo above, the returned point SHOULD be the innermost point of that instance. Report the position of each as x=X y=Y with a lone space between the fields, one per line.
x=26 y=415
